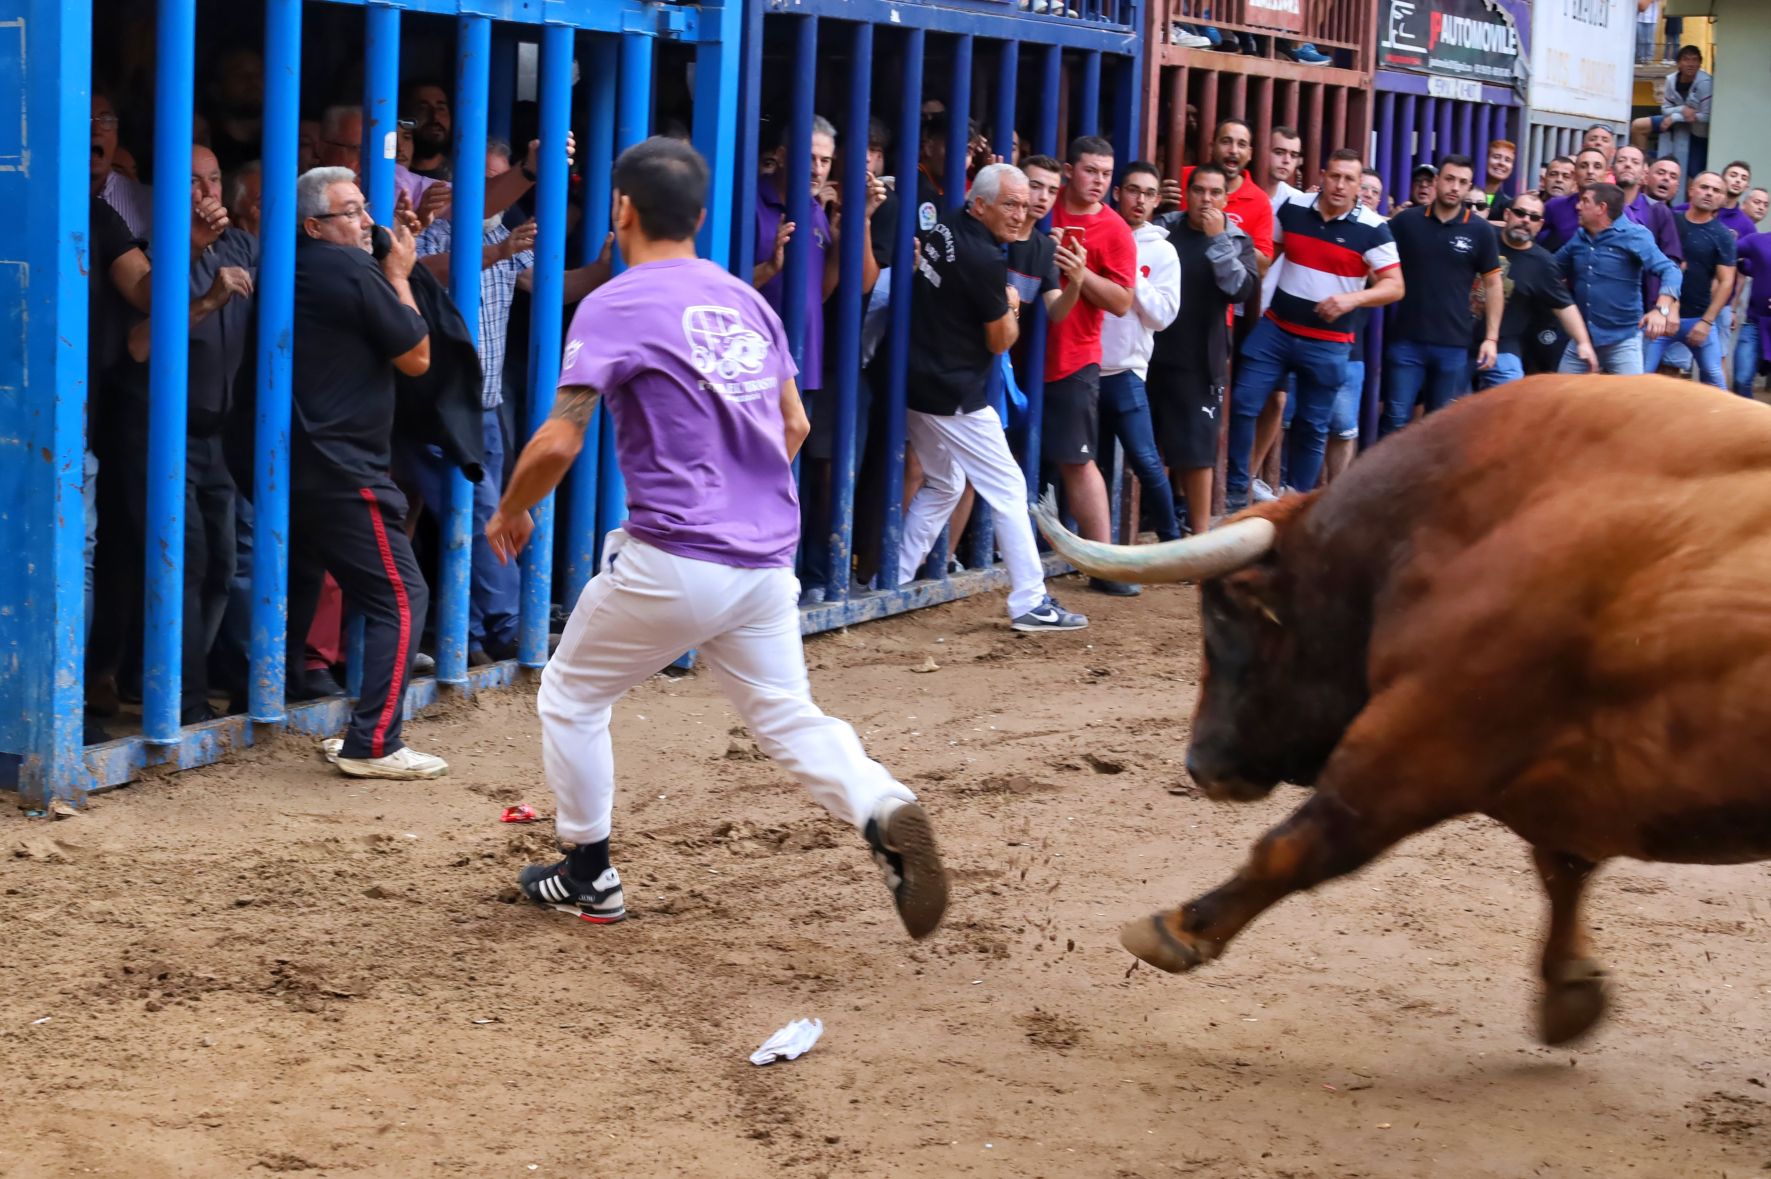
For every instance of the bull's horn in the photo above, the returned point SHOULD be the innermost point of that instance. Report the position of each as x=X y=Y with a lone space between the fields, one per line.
x=1194 y=558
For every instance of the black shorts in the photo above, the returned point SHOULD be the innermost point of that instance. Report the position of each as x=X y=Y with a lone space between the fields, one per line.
x=1187 y=411
x=1072 y=424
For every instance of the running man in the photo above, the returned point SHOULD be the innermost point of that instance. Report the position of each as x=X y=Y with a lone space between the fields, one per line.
x=700 y=386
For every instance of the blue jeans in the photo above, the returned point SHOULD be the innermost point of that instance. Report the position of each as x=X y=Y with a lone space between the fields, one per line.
x=1344 y=422
x=1442 y=371
x=1507 y=368
x=1268 y=355
x=1746 y=358
x=1125 y=415
x=1622 y=359
x=1708 y=354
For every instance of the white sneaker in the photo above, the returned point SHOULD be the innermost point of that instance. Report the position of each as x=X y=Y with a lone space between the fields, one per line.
x=403 y=763
x=1179 y=36
x=329 y=748
x=1260 y=493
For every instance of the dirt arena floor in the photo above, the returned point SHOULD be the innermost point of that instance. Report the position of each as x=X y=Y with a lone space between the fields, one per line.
x=266 y=968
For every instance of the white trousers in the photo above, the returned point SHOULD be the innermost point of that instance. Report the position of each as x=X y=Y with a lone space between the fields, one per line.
x=638 y=615
x=952 y=450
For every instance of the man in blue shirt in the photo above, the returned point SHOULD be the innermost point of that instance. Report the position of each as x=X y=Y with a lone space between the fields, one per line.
x=1604 y=263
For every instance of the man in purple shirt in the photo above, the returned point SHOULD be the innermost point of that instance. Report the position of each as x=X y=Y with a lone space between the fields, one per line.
x=1754 y=329
x=707 y=418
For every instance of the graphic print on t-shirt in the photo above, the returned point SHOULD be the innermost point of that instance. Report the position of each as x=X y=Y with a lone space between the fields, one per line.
x=721 y=346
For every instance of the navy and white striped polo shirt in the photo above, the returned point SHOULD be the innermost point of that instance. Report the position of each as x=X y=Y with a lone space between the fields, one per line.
x=1323 y=258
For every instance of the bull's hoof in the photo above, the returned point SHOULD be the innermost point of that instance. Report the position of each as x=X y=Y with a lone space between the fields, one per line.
x=1151 y=939
x=1573 y=1004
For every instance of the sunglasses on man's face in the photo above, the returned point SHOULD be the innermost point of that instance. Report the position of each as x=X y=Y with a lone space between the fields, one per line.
x=1525 y=216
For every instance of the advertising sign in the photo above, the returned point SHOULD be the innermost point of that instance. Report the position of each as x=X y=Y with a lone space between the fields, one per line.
x=1581 y=52
x=1473 y=39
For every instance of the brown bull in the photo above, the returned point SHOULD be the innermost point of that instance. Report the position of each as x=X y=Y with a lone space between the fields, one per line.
x=1550 y=604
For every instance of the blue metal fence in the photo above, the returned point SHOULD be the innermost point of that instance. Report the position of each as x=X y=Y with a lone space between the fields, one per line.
x=1045 y=73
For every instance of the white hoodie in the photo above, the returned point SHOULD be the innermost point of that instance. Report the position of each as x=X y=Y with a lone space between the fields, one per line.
x=1127 y=340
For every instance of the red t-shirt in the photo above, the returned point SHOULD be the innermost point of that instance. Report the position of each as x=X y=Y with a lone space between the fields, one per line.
x=1248 y=207
x=1075 y=343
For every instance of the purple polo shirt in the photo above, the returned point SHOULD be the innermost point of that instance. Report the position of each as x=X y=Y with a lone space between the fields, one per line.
x=770 y=212
x=1754 y=260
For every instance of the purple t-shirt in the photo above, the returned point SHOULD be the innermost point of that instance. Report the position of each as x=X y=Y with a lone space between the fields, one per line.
x=690 y=362
x=1754 y=259
x=770 y=212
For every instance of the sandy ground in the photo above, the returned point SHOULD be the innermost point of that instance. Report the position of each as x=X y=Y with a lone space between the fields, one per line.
x=265 y=968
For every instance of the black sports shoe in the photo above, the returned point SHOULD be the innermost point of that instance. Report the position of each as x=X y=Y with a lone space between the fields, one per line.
x=598 y=902
x=904 y=848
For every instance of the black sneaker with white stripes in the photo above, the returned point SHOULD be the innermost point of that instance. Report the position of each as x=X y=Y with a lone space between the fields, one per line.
x=903 y=844
x=599 y=902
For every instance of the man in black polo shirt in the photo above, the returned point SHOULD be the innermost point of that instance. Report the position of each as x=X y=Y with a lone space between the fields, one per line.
x=355 y=324
x=1446 y=250
x=963 y=316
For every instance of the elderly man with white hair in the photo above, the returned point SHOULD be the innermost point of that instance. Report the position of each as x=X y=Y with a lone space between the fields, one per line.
x=964 y=315
x=356 y=324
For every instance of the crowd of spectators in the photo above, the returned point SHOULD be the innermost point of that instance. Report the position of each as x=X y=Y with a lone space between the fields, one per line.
x=1224 y=304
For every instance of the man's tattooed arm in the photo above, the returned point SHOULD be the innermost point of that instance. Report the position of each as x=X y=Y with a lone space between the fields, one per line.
x=573 y=403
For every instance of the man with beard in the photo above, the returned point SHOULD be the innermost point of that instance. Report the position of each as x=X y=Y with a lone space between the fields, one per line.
x=1446 y=251
x=427 y=106
x=1534 y=294
x=1247 y=205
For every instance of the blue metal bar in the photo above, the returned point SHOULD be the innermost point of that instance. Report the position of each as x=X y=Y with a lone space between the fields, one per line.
x=1008 y=68
x=473 y=53
x=909 y=145
x=1088 y=113
x=276 y=325
x=633 y=122
x=1466 y=112
x=1443 y=144
x=850 y=300
x=381 y=106
x=1406 y=151
x=796 y=192
x=749 y=162
x=501 y=87
x=174 y=106
x=959 y=119
x=545 y=314
x=1127 y=91
x=1484 y=135
x=1005 y=23
x=1045 y=140
x=717 y=60
x=45 y=57
x=599 y=156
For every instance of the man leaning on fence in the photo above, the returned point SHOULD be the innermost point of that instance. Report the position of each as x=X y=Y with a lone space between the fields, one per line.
x=356 y=323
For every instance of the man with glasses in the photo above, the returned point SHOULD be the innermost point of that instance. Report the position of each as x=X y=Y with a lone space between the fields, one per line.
x=1534 y=297
x=133 y=200
x=356 y=324
x=965 y=314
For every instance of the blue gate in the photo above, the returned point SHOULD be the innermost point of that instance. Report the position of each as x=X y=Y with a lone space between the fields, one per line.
x=1049 y=71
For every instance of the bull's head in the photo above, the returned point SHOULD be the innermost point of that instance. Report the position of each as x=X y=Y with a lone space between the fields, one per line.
x=1275 y=693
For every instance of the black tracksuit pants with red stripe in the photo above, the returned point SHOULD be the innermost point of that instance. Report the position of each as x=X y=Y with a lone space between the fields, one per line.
x=358 y=535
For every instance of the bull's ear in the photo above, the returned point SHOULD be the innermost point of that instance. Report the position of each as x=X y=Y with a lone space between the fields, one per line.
x=1255 y=591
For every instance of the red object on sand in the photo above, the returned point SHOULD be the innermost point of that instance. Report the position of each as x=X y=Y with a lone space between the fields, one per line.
x=522 y=812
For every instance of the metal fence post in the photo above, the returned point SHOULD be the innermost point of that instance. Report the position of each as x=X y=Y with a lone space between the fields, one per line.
x=909 y=145
x=796 y=195
x=381 y=104
x=473 y=53
x=598 y=156
x=546 y=313
x=276 y=325
x=851 y=302
x=163 y=616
